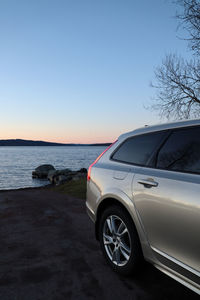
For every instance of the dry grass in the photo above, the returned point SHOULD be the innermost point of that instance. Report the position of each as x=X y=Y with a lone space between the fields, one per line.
x=73 y=188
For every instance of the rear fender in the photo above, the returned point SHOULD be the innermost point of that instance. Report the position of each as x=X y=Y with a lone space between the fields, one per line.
x=117 y=196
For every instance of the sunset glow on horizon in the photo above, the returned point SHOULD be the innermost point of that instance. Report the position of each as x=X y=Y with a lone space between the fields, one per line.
x=65 y=136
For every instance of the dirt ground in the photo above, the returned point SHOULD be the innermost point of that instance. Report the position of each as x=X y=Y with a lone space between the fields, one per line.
x=48 y=251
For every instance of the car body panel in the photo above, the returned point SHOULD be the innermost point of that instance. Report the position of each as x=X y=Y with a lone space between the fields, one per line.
x=113 y=189
x=170 y=213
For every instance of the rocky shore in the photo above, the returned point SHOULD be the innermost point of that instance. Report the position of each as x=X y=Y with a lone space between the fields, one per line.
x=58 y=177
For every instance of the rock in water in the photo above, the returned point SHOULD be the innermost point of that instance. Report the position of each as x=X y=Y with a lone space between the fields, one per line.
x=59 y=176
x=42 y=171
x=51 y=175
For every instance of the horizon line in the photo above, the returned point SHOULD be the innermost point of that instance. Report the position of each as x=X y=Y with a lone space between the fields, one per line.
x=50 y=142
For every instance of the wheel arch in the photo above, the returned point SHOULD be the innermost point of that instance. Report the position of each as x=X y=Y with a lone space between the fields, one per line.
x=111 y=200
x=105 y=203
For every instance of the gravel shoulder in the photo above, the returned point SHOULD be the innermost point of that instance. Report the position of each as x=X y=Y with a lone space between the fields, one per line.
x=48 y=251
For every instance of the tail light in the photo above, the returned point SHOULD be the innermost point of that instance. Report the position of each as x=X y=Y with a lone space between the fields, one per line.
x=96 y=160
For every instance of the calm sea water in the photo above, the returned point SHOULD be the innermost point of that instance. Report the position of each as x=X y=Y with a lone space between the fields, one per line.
x=17 y=163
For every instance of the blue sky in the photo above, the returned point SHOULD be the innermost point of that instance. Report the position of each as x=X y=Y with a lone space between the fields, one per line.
x=79 y=70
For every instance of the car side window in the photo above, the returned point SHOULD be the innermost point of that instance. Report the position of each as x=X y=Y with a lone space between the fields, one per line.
x=181 y=152
x=138 y=149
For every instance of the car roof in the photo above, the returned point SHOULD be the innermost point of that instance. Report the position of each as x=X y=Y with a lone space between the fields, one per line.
x=158 y=127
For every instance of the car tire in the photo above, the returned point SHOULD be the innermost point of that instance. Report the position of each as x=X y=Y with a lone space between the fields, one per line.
x=119 y=241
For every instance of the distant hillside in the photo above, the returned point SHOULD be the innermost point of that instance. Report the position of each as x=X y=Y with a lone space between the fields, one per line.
x=19 y=142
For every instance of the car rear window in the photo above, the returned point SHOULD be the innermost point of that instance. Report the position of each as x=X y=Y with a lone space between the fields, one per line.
x=138 y=149
x=181 y=152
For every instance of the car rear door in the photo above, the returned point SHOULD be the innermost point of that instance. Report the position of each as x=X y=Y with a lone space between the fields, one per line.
x=167 y=198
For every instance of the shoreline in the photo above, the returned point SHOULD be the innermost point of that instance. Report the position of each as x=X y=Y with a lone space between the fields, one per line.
x=16 y=170
x=72 y=188
x=28 y=188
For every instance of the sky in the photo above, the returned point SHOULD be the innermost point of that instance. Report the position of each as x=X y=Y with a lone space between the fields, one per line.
x=79 y=71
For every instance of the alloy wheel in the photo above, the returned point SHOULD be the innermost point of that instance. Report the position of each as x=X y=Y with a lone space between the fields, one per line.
x=116 y=240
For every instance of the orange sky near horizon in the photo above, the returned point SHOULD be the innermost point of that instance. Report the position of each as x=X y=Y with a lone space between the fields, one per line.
x=88 y=133
x=64 y=136
x=73 y=140
x=81 y=133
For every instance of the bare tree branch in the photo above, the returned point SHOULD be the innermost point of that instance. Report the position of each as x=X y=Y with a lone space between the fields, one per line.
x=178 y=80
x=190 y=20
x=178 y=88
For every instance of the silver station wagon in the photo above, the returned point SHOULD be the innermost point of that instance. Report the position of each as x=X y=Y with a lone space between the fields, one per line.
x=143 y=194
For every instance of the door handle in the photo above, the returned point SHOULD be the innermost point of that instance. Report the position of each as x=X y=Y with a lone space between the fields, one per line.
x=148 y=183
